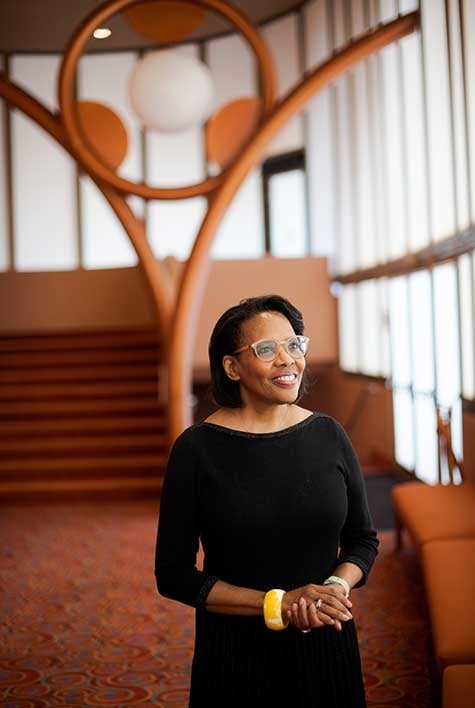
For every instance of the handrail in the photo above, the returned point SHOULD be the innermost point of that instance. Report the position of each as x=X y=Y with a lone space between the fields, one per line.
x=444 y=435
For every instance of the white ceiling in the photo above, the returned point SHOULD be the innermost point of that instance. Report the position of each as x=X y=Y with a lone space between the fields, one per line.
x=46 y=25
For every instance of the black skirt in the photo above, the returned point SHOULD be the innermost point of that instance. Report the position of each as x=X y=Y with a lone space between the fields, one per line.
x=239 y=662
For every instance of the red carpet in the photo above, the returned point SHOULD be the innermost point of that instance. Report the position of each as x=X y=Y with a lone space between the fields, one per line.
x=82 y=623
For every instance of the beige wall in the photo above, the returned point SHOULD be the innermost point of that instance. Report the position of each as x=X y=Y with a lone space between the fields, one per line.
x=82 y=299
x=119 y=298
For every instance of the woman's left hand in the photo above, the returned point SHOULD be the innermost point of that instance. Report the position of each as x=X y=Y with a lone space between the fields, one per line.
x=318 y=614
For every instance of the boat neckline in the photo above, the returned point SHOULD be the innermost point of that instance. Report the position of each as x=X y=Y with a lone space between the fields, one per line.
x=246 y=434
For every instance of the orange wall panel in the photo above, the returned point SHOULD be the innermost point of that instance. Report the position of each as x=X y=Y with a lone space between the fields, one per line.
x=303 y=281
x=79 y=299
x=119 y=298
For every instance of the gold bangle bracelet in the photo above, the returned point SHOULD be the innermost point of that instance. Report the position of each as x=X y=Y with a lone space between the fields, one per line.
x=273 y=609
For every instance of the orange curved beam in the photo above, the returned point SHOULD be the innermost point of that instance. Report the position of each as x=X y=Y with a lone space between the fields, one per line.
x=157 y=277
x=193 y=284
x=66 y=89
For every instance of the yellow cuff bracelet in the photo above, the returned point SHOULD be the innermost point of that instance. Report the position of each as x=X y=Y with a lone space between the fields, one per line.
x=273 y=610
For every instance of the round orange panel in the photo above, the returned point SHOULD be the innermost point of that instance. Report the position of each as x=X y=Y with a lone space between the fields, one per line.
x=104 y=131
x=164 y=21
x=230 y=128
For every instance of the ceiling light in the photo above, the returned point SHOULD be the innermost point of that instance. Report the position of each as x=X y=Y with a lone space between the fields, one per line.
x=101 y=33
x=171 y=91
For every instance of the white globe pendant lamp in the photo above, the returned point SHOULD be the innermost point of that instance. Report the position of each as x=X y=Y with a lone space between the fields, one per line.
x=171 y=91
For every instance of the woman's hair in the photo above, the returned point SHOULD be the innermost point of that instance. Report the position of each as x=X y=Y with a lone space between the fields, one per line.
x=226 y=338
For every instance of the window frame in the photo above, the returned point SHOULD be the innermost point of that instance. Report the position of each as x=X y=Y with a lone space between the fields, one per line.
x=277 y=164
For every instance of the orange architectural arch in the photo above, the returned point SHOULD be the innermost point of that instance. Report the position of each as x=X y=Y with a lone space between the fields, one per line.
x=66 y=91
x=178 y=312
x=157 y=277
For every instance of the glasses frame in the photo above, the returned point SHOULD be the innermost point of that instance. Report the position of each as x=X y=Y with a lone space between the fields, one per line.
x=284 y=343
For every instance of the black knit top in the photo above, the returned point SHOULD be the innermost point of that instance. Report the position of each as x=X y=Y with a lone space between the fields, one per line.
x=273 y=510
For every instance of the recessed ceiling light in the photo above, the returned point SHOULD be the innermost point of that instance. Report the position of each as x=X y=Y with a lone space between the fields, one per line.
x=102 y=33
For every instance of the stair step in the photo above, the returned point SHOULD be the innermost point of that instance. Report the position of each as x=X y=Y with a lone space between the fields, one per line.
x=83 y=445
x=98 y=407
x=72 y=374
x=57 y=391
x=85 y=467
x=81 y=425
x=140 y=355
x=80 y=340
x=80 y=415
x=33 y=490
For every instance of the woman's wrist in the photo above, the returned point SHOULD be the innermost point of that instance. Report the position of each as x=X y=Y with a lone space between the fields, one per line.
x=350 y=572
x=337 y=580
x=234 y=600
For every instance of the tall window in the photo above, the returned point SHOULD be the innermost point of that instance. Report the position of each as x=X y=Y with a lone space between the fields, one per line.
x=285 y=205
x=428 y=327
x=415 y=199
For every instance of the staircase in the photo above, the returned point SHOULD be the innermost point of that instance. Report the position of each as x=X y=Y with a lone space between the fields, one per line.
x=80 y=416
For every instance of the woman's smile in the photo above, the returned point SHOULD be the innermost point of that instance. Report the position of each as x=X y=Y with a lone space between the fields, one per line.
x=286 y=380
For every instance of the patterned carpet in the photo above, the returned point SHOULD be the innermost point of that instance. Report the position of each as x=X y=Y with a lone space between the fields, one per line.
x=82 y=624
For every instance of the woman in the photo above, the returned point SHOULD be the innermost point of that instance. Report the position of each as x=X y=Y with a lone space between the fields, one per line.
x=276 y=496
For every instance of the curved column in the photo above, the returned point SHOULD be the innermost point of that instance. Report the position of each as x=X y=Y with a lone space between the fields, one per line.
x=192 y=288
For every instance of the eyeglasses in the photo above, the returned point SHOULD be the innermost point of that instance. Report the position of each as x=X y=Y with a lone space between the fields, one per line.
x=268 y=349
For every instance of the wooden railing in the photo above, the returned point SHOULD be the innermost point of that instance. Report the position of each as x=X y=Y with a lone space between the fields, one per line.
x=446 y=451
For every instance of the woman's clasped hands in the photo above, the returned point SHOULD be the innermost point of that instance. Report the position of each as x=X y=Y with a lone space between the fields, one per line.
x=315 y=606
